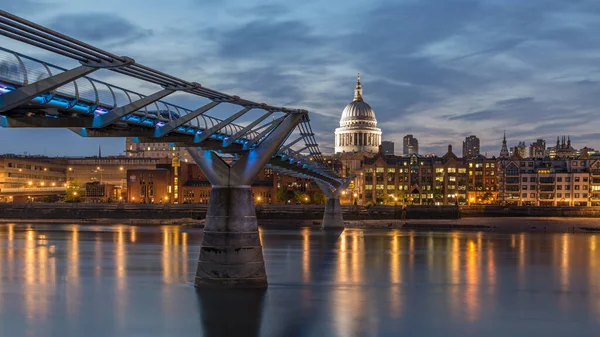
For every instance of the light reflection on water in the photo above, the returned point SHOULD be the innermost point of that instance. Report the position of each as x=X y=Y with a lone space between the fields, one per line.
x=74 y=280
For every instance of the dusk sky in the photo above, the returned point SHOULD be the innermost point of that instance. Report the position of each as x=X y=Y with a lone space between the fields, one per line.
x=438 y=69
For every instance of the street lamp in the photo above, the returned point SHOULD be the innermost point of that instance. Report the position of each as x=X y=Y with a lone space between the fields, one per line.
x=99 y=169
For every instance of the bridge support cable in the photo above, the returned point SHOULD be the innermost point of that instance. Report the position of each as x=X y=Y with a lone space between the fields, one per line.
x=332 y=216
x=273 y=125
x=247 y=129
x=172 y=125
x=199 y=138
x=287 y=146
x=231 y=251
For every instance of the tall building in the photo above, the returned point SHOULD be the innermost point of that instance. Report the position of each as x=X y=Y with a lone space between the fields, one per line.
x=537 y=149
x=358 y=130
x=410 y=145
x=471 y=146
x=387 y=148
x=520 y=150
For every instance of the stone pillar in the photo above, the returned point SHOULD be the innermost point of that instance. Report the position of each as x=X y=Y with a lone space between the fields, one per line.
x=231 y=252
x=332 y=217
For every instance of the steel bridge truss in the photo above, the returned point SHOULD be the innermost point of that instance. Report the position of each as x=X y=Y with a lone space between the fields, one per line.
x=37 y=94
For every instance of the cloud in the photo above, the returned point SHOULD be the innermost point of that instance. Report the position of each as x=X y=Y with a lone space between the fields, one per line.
x=437 y=69
x=106 y=28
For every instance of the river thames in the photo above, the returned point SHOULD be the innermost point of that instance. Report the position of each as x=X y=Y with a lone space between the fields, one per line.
x=85 y=280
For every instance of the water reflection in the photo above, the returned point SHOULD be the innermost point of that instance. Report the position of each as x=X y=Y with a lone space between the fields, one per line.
x=124 y=280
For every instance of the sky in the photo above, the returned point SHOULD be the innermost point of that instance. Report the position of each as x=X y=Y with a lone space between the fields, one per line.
x=438 y=69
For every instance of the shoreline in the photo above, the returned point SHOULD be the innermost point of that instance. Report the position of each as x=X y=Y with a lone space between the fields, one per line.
x=497 y=224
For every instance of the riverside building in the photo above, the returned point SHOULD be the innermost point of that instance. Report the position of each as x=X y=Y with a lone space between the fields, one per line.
x=427 y=180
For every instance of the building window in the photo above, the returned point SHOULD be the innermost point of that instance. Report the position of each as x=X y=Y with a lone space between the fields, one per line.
x=524 y=187
x=524 y=195
x=567 y=195
x=559 y=179
x=532 y=195
x=577 y=179
x=576 y=195
x=559 y=195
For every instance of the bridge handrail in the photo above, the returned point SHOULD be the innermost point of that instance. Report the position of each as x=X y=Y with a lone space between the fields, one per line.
x=96 y=84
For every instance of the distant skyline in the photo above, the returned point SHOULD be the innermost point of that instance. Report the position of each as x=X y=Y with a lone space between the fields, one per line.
x=438 y=69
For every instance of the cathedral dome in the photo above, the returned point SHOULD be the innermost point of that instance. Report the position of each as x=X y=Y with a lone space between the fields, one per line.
x=358 y=130
x=358 y=112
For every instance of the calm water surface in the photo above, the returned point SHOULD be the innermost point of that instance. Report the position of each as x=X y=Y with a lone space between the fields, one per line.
x=82 y=280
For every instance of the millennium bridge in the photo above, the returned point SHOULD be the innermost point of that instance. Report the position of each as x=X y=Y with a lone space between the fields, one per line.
x=37 y=94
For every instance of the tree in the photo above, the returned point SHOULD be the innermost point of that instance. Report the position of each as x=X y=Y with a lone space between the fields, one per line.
x=74 y=192
x=487 y=196
x=319 y=198
x=301 y=198
x=282 y=194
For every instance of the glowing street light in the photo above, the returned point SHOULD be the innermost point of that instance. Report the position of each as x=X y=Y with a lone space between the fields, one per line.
x=74 y=193
x=30 y=183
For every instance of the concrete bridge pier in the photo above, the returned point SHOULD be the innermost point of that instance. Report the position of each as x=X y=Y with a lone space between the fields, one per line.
x=231 y=253
x=332 y=216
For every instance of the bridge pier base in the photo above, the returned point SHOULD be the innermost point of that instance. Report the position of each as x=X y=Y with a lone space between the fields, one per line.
x=332 y=216
x=231 y=253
